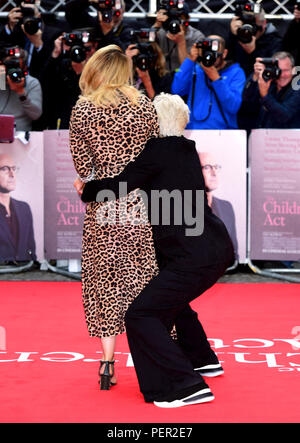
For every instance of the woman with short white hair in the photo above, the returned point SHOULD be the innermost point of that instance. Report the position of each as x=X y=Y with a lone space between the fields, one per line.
x=173 y=114
x=191 y=259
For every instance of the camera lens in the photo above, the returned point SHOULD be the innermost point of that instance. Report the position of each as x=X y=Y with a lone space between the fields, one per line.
x=208 y=59
x=15 y=74
x=174 y=27
x=77 y=54
x=245 y=33
x=31 y=25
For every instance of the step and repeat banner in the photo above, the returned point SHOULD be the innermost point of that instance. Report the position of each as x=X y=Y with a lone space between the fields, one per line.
x=275 y=194
x=64 y=210
x=41 y=215
x=22 y=200
x=223 y=156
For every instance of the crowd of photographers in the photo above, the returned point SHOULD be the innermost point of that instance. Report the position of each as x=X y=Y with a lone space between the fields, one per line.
x=245 y=79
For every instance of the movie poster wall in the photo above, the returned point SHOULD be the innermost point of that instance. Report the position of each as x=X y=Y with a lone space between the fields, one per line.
x=46 y=174
x=223 y=156
x=22 y=199
x=64 y=211
x=275 y=194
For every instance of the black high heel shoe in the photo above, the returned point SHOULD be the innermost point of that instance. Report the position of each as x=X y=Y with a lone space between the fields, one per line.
x=105 y=378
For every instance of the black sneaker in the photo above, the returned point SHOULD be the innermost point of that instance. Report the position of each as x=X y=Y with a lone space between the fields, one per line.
x=203 y=396
x=212 y=370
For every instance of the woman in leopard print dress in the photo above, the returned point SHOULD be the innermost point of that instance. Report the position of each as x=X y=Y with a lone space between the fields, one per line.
x=109 y=126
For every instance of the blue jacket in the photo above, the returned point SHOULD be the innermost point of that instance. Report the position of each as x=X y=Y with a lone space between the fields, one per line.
x=206 y=113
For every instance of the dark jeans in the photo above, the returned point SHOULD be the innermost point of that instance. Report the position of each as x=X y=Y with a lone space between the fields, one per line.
x=163 y=366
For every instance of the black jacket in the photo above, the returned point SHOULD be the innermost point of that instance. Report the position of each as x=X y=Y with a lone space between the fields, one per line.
x=278 y=109
x=172 y=164
x=291 y=40
x=61 y=90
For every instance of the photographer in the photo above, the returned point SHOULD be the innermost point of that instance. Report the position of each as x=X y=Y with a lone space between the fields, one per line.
x=25 y=28
x=22 y=96
x=269 y=93
x=109 y=24
x=292 y=36
x=175 y=35
x=214 y=86
x=60 y=78
x=251 y=36
x=149 y=66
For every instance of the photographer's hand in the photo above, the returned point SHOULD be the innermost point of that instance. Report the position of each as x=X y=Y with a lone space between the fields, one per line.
x=14 y=16
x=105 y=27
x=179 y=39
x=35 y=39
x=131 y=51
x=297 y=14
x=146 y=79
x=57 y=47
x=161 y=17
x=235 y=24
x=211 y=72
x=249 y=47
x=78 y=67
x=263 y=86
x=18 y=88
x=258 y=69
x=194 y=52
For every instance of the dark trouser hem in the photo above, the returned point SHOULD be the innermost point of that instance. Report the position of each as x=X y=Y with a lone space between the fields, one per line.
x=182 y=393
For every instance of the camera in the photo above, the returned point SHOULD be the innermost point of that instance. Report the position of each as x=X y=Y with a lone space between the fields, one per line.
x=147 y=56
x=13 y=51
x=272 y=70
x=31 y=23
x=76 y=41
x=246 y=12
x=106 y=9
x=146 y=34
x=14 y=70
x=210 y=51
x=175 y=10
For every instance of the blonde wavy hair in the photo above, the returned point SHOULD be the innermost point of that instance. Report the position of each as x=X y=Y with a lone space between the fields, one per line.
x=107 y=77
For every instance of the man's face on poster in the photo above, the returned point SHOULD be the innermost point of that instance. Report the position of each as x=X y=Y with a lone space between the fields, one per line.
x=8 y=170
x=210 y=170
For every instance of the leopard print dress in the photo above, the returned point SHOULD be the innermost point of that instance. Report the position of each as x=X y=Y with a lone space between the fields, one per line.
x=118 y=257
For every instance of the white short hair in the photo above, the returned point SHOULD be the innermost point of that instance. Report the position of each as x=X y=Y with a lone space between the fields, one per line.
x=173 y=114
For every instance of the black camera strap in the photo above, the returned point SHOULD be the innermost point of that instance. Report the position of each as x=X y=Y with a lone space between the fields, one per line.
x=212 y=92
x=219 y=105
x=193 y=96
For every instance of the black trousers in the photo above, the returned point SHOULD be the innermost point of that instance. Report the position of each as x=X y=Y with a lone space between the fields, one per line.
x=164 y=367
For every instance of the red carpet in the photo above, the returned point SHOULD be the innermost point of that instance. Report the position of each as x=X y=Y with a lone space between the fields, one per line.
x=255 y=328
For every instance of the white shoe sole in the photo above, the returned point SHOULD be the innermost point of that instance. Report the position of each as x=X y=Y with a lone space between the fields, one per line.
x=210 y=370
x=203 y=396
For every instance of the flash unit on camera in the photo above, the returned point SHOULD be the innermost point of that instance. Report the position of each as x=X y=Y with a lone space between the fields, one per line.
x=85 y=37
x=256 y=8
x=215 y=45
